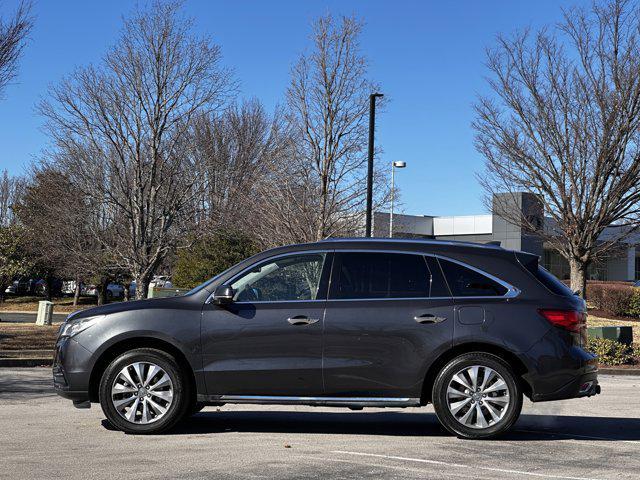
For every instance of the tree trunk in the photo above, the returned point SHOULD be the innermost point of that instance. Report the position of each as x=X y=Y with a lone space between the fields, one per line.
x=104 y=291
x=127 y=292
x=48 y=285
x=579 y=276
x=99 y=296
x=142 y=287
x=76 y=292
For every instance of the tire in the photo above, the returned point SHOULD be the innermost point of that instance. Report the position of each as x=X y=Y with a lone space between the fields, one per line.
x=491 y=409
x=158 y=407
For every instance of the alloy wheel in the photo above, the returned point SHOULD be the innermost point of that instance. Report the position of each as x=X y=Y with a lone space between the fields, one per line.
x=142 y=393
x=478 y=397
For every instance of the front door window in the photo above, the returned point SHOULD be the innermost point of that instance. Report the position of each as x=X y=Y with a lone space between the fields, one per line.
x=295 y=277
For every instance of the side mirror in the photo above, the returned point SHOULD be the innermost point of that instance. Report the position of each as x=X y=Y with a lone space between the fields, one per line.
x=223 y=295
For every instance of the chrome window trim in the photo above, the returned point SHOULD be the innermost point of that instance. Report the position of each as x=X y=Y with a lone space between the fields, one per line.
x=512 y=291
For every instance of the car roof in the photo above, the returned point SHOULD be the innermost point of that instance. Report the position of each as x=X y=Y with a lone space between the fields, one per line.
x=403 y=244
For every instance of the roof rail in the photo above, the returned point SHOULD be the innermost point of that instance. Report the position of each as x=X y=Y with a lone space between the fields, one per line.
x=429 y=241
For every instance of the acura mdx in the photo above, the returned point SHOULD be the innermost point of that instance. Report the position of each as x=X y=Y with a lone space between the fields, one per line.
x=351 y=323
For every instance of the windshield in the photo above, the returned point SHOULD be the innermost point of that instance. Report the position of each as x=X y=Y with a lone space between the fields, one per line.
x=202 y=286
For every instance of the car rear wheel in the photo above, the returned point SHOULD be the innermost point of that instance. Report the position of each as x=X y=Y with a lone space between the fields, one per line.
x=143 y=391
x=477 y=395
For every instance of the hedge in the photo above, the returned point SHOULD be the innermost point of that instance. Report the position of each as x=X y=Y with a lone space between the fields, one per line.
x=619 y=299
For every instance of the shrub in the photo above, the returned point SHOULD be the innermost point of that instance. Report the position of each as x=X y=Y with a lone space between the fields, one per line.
x=594 y=294
x=209 y=255
x=617 y=299
x=611 y=352
x=634 y=304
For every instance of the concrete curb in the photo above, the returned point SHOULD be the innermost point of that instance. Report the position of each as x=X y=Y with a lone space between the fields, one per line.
x=25 y=362
x=619 y=371
x=36 y=353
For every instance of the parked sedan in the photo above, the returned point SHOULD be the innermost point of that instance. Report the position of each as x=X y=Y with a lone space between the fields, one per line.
x=114 y=290
x=347 y=323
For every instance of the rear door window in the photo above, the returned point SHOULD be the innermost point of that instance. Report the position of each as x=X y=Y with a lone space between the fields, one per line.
x=366 y=275
x=465 y=282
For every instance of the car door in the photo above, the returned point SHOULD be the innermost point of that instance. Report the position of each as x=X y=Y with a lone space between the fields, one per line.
x=389 y=314
x=268 y=340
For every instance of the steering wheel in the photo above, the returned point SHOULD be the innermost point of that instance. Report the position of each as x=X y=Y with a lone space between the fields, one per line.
x=249 y=294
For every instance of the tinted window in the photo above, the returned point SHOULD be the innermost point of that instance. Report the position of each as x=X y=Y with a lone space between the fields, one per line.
x=438 y=285
x=295 y=277
x=381 y=275
x=465 y=282
x=551 y=282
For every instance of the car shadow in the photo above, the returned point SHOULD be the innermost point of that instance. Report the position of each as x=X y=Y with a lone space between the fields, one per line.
x=528 y=427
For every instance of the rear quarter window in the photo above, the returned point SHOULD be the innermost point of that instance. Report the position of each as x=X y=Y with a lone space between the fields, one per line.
x=551 y=281
x=465 y=282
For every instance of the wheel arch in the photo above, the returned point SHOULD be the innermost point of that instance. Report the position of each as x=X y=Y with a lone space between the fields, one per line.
x=512 y=359
x=124 y=345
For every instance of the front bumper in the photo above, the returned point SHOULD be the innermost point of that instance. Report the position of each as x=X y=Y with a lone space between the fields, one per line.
x=70 y=371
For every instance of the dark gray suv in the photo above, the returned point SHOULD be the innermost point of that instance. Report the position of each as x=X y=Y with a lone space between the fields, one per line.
x=350 y=322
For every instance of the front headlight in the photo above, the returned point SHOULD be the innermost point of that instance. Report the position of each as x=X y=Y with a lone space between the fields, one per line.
x=74 y=327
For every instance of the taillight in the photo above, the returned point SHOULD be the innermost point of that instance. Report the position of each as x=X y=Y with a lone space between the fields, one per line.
x=570 y=320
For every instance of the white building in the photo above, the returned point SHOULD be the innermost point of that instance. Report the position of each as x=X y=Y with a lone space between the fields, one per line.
x=623 y=265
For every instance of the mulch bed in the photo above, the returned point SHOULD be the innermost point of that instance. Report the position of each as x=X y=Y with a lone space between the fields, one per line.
x=20 y=336
x=602 y=314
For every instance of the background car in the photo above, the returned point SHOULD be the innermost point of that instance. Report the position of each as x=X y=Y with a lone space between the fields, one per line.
x=114 y=290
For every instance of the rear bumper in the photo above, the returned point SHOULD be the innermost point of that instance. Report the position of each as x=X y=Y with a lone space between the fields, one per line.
x=585 y=385
x=572 y=374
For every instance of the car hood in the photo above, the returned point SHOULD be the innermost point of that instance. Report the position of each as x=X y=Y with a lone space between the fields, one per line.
x=117 y=307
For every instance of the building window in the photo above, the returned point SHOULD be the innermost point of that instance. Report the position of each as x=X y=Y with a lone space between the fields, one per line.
x=558 y=266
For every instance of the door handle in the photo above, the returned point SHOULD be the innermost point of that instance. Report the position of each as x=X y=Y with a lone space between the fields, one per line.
x=429 y=318
x=302 y=320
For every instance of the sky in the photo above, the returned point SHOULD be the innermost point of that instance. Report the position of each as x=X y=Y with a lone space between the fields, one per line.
x=428 y=56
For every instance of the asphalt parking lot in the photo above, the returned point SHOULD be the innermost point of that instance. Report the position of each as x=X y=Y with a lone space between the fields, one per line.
x=43 y=436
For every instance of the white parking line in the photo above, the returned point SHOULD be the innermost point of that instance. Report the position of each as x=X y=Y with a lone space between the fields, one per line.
x=403 y=468
x=458 y=465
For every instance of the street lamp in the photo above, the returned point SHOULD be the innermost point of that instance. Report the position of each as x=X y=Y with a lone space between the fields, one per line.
x=394 y=165
x=372 y=128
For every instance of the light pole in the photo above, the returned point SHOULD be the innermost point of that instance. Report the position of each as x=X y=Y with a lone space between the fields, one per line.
x=372 y=128
x=394 y=165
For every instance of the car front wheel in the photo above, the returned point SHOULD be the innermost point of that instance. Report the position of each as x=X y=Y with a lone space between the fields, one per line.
x=143 y=391
x=477 y=395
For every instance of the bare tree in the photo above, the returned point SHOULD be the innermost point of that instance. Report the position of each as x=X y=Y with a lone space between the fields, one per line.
x=121 y=127
x=322 y=181
x=563 y=124
x=13 y=36
x=233 y=152
x=10 y=190
x=65 y=232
